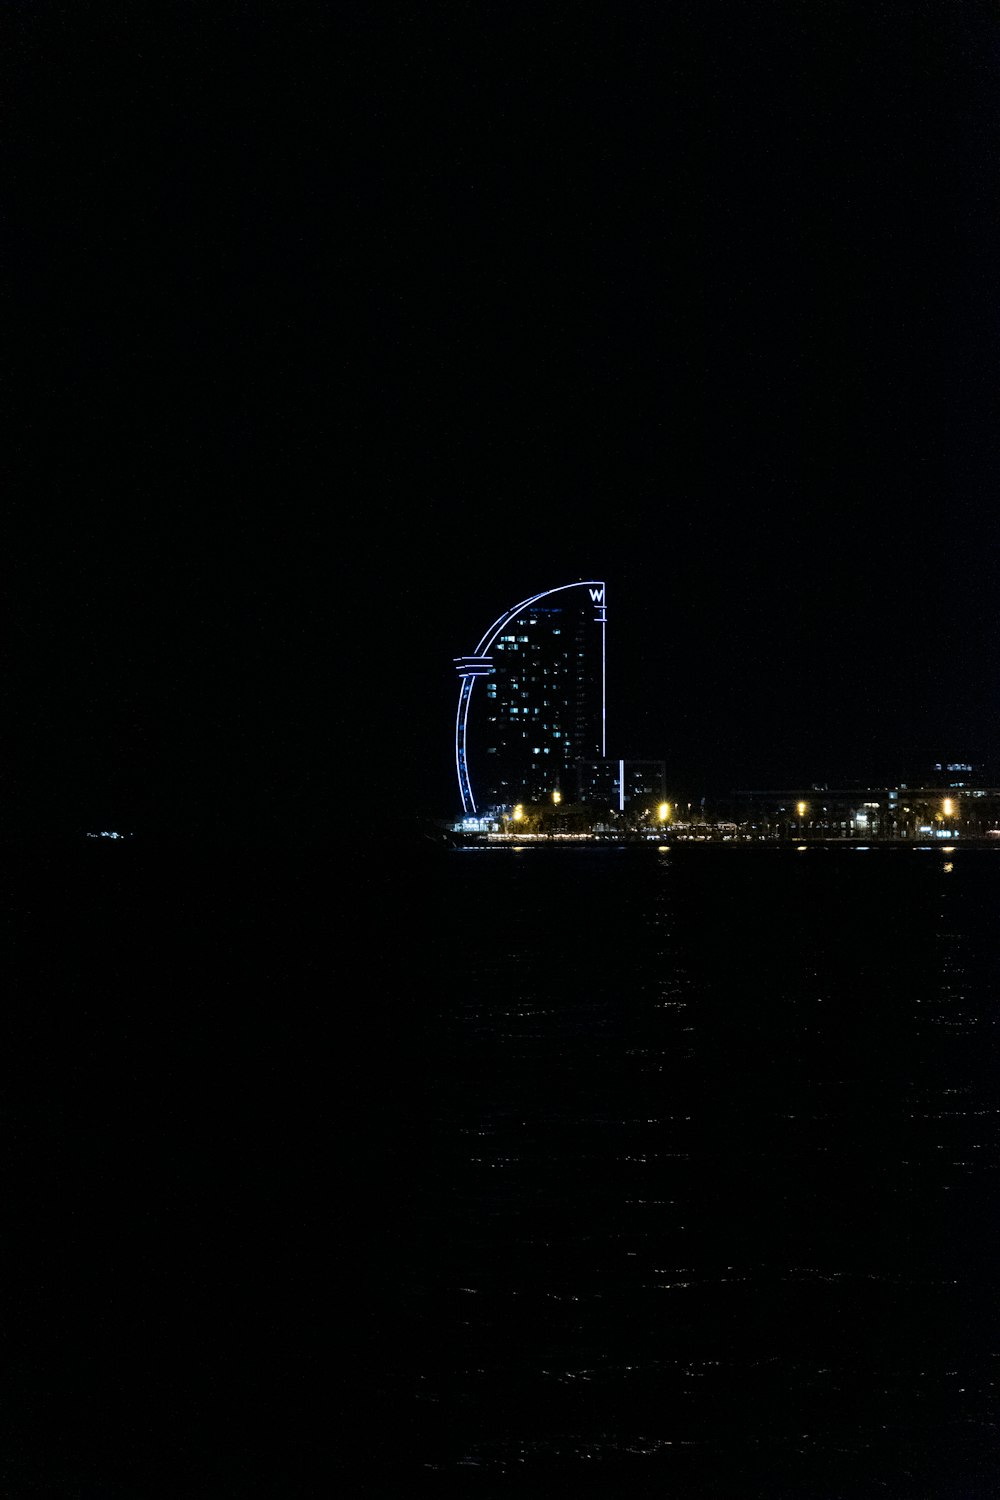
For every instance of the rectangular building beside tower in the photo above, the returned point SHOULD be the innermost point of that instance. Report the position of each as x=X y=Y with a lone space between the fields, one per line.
x=618 y=784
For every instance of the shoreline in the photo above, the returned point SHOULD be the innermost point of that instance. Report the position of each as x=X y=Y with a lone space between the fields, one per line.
x=589 y=841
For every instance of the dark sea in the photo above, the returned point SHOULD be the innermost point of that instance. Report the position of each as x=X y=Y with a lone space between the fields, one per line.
x=618 y=1171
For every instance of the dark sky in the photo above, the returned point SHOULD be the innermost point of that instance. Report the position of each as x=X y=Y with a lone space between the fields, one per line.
x=338 y=329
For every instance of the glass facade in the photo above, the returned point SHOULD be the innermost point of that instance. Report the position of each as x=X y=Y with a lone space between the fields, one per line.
x=540 y=706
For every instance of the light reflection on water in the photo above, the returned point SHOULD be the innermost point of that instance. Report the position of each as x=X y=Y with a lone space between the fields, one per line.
x=743 y=1117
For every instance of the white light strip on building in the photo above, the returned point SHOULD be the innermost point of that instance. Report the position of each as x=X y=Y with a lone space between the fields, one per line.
x=469 y=675
x=604 y=679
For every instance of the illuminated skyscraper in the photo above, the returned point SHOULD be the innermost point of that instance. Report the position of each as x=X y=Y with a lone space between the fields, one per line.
x=541 y=706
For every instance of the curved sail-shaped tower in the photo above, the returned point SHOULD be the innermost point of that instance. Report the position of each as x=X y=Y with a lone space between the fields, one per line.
x=542 y=703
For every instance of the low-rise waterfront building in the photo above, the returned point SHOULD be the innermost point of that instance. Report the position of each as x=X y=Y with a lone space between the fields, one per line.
x=609 y=783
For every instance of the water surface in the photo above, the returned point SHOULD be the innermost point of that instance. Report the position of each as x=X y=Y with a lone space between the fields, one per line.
x=698 y=1183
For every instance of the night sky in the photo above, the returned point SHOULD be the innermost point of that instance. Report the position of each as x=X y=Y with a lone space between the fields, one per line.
x=332 y=331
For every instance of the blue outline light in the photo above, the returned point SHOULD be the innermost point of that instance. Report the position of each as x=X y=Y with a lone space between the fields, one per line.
x=478 y=664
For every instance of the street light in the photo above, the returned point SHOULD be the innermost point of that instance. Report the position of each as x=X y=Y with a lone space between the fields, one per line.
x=663 y=812
x=518 y=813
x=557 y=798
